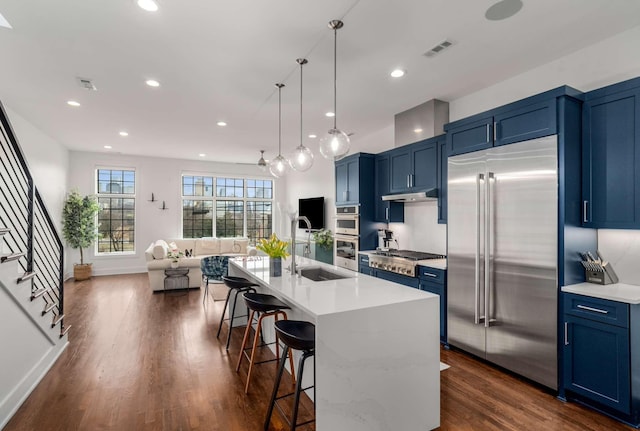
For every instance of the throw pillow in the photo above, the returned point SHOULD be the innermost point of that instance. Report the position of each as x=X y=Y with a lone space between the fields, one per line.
x=160 y=249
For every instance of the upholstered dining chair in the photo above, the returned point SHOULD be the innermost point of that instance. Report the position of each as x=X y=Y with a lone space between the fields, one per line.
x=213 y=268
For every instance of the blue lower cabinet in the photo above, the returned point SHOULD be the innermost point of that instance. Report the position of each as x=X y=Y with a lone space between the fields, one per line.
x=435 y=281
x=600 y=354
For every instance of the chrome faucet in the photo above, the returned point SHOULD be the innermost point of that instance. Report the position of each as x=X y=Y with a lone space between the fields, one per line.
x=307 y=248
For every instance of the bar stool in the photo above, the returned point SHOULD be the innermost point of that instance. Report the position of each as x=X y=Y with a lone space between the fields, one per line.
x=265 y=306
x=296 y=335
x=237 y=285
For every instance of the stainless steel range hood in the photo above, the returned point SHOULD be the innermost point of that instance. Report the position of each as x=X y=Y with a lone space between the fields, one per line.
x=428 y=195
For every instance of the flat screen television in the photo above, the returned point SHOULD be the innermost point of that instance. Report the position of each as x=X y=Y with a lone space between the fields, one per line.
x=313 y=209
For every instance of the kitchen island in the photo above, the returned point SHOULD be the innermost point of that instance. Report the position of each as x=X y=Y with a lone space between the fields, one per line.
x=377 y=346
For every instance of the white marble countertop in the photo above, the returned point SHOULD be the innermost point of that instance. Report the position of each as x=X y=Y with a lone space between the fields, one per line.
x=627 y=293
x=431 y=263
x=357 y=292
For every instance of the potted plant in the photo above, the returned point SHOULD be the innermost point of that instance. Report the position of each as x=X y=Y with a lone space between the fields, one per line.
x=79 y=228
x=324 y=245
x=174 y=255
x=276 y=250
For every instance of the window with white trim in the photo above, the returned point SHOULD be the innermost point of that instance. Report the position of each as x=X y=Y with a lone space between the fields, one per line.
x=116 y=190
x=226 y=207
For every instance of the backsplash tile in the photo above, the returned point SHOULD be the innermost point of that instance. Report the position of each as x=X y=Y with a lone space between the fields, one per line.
x=622 y=249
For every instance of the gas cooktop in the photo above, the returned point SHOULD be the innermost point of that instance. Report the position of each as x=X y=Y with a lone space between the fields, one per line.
x=410 y=254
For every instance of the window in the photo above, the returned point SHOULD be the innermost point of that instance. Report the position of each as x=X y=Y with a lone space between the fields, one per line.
x=116 y=217
x=243 y=207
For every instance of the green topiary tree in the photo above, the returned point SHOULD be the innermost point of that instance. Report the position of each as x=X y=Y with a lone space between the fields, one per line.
x=79 y=221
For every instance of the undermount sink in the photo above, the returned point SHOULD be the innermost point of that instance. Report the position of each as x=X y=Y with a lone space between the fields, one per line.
x=321 y=274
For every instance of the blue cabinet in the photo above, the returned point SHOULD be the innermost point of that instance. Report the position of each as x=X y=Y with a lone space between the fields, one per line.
x=599 y=349
x=442 y=181
x=414 y=167
x=611 y=157
x=385 y=211
x=434 y=280
x=526 y=119
x=348 y=180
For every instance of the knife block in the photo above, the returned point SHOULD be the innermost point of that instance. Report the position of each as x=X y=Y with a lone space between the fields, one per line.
x=602 y=275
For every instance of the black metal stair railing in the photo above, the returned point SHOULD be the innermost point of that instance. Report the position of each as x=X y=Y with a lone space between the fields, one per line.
x=29 y=228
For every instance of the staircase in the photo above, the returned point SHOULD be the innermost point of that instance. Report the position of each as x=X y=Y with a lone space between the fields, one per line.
x=31 y=279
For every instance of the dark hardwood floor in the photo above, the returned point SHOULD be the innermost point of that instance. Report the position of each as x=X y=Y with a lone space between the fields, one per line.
x=143 y=361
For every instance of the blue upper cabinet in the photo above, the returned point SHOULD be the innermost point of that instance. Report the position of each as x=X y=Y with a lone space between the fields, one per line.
x=354 y=179
x=414 y=167
x=385 y=211
x=530 y=118
x=611 y=157
x=442 y=181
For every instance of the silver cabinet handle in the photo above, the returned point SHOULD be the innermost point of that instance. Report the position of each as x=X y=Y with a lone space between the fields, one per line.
x=386 y=213
x=595 y=310
x=476 y=315
x=428 y=274
x=495 y=131
x=566 y=333
x=584 y=212
x=488 y=132
x=487 y=253
x=408 y=180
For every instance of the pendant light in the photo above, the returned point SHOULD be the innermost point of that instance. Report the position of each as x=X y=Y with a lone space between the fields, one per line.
x=302 y=158
x=335 y=144
x=262 y=163
x=278 y=166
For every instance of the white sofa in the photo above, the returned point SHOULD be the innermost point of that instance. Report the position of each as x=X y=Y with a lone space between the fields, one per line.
x=157 y=260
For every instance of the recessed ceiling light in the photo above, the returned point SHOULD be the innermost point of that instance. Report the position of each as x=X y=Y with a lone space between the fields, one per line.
x=202 y=154
x=152 y=83
x=73 y=103
x=123 y=133
x=148 y=5
x=313 y=136
x=4 y=22
x=398 y=73
x=221 y=123
x=108 y=147
x=417 y=130
x=503 y=9
x=330 y=114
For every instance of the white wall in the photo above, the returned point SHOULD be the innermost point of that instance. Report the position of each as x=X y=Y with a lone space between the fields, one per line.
x=159 y=176
x=48 y=162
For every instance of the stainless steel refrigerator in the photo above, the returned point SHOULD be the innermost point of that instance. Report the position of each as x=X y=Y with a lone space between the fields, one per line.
x=502 y=256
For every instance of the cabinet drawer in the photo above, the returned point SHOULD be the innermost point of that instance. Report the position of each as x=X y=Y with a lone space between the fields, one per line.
x=599 y=310
x=363 y=259
x=432 y=275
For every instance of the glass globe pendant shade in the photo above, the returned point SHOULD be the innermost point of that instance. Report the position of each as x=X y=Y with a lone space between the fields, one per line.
x=301 y=159
x=334 y=145
x=278 y=166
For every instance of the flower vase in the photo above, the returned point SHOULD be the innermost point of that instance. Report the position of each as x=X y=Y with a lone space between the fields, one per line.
x=275 y=266
x=174 y=264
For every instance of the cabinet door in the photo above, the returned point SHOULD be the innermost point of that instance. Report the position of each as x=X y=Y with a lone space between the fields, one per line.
x=471 y=136
x=528 y=122
x=424 y=166
x=397 y=278
x=353 y=181
x=611 y=161
x=342 y=178
x=597 y=361
x=399 y=168
x=442 y=181
x=385 y=211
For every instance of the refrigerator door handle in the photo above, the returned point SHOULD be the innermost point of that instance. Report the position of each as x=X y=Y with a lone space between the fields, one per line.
x=476 y=315
x=487 y=251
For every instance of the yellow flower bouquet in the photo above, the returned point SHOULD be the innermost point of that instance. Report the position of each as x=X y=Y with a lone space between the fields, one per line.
x=273 y=246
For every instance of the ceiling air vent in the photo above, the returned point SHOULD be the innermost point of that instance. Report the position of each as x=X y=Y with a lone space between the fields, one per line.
x=438 y=48
x=86 y=84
